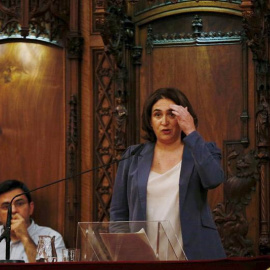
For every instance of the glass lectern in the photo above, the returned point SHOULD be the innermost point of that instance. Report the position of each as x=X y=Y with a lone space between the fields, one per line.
x=128 y=241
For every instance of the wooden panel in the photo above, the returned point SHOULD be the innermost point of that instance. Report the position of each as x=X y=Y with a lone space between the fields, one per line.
x=32 y=122
x=214 y=87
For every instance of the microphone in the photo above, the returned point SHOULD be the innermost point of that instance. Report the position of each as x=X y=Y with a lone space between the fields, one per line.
x=6 y=234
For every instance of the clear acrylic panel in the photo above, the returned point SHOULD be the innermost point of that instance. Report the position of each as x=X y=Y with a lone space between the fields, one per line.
x=128 y=241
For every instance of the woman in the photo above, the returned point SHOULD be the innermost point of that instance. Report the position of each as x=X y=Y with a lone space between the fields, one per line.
x=169 y=177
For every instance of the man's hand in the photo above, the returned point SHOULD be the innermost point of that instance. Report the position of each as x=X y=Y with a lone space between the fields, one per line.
x=18 y=228
x=19 y=232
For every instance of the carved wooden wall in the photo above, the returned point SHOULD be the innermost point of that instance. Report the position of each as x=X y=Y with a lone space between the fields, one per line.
x=216 y=52
x=40 y=49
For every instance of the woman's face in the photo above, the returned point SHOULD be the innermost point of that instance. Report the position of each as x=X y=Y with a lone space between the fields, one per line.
x=164 y=123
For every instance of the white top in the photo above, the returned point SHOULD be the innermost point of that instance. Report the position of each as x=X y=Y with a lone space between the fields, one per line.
x=163 y=198
x=17 y=249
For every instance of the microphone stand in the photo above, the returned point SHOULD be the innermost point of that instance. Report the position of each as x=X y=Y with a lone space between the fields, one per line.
x=6 y=233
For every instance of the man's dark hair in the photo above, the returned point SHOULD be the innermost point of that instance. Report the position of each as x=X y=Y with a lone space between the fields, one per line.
x=11 y=184
x=171 y=93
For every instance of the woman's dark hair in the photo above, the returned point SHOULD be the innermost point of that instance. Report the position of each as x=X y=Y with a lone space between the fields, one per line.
x=173 y=94
x=11 y=184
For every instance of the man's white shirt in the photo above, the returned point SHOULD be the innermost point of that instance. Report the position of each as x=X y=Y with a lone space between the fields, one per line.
x=17 y=251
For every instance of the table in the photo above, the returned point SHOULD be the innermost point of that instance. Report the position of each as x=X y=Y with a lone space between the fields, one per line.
x=256 y=263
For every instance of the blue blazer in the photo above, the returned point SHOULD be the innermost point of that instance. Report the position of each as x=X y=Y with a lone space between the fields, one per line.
x=200 y=171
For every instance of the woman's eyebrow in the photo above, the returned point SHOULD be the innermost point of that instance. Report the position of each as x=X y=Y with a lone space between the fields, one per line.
x=169 y=110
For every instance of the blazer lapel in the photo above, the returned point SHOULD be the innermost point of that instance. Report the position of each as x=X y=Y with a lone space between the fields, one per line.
x=186 y=170
x=144 y=167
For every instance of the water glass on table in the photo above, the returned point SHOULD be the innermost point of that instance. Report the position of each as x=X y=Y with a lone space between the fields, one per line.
x=70 y=255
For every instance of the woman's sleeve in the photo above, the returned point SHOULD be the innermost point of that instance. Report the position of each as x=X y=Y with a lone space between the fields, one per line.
x=207 y=159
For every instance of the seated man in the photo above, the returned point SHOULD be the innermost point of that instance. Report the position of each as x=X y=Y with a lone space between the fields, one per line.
x=24 y=232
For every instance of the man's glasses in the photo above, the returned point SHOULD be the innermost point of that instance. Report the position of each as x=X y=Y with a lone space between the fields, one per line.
x=16 y=204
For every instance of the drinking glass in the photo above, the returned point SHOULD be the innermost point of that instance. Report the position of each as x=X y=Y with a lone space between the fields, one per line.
x=46 y=249
x=70 y=255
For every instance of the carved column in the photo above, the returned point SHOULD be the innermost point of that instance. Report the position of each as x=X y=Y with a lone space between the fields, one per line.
x=256 y=25
x=74 y=47
x=115 y=98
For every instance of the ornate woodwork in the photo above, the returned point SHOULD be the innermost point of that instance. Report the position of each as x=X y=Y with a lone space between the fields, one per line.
x=252 y=166
x=74 y=45
x=72 y=189
x=230 y=216
x=45 y=20
x=112 y=89
x=103 y=100
x=256 y=25
x=98 y=7
x=197 y=37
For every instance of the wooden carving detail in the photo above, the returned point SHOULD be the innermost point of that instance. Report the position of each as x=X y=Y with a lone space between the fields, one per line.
x=74 y=46
x=113 y=139
x=112 y=73
x=197 y=37
x=263 y=117
x=121 y=114
x=103 y=126
x=197 y=26
x=256 y=25
x=72 y=189
x=9 y=18
x=72 y=147
x=72 y=137
x=230 y=216
x=98 y=14
x=47 y=20
x=245 y=169
x=150 y=39
x=137 y=55
x=118 y=37
x=263 y=145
